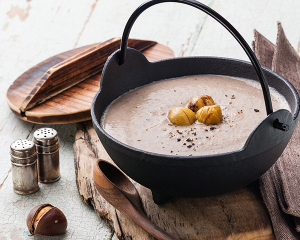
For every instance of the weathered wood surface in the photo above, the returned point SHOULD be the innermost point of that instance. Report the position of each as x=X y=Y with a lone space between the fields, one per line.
x=237 y=215
x=32 y=31
x=31 y=87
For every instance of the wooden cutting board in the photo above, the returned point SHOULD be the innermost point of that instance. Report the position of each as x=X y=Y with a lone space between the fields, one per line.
x=73 y=104
x=237 y=215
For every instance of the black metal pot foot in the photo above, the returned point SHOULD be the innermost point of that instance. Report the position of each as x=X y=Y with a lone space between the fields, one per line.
x=159 y=198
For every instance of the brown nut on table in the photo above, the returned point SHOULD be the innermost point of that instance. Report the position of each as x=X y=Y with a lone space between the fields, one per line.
x=181 y=116
x=210 y=114
x=198 y=102
x=47 y=220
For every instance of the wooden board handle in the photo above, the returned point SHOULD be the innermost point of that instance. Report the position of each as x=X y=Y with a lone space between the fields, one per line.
x=72 y=71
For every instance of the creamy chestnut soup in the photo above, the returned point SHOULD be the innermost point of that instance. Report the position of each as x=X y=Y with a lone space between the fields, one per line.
x=139 y=118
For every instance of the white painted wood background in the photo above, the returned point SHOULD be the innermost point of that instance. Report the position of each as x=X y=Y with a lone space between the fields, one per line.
x=34 y=30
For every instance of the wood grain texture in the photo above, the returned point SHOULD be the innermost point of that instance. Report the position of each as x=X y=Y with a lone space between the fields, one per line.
x=72 y=105
x=260 y=15
x=74 y=70
x=237 y=215
x=120 y=192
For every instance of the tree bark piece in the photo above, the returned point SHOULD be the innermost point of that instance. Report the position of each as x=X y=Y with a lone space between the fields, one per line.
x=237 y=215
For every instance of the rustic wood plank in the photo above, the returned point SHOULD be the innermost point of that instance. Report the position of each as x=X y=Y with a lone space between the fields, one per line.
x=245 y=16
x=237 y=215
x=61 y=108
x=172 y=24
x=43 y=30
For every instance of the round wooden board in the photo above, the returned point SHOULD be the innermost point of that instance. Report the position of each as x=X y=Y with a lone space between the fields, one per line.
x=72 y=105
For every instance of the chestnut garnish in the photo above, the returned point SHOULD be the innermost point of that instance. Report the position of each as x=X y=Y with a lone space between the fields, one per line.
x=210 y=114
x=198 y=102
x=47 y=220
x=181 y=116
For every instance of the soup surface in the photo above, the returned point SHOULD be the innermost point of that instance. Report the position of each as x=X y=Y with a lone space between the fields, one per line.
x=139 y=118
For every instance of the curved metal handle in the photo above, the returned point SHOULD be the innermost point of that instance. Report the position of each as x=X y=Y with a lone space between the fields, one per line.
x=221 y=20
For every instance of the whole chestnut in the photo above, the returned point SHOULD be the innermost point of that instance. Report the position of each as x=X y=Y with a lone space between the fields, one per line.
x=210 y=114
x=198 y=102
x=181 y=116
x=47 y=220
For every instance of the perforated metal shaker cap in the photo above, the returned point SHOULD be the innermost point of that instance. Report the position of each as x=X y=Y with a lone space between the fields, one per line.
x=22 y=148
x=45 y=136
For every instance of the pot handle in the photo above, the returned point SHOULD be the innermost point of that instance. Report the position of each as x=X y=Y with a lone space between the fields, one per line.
x=221 y=20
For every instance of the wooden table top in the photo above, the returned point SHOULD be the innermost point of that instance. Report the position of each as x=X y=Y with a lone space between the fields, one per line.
x=32 y=31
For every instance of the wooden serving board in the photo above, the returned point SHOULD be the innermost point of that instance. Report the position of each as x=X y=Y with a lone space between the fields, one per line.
x=71 y=105
x=237 y=215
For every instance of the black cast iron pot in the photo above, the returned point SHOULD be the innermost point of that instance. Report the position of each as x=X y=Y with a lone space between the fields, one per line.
x=194 y=176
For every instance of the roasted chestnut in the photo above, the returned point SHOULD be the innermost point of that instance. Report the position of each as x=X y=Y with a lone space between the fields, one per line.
x=47 y=220
x=198 y=102
x=210 y=114
x=181 y=116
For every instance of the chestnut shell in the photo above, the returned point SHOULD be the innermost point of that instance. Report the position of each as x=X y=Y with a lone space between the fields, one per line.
x=52 y=223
